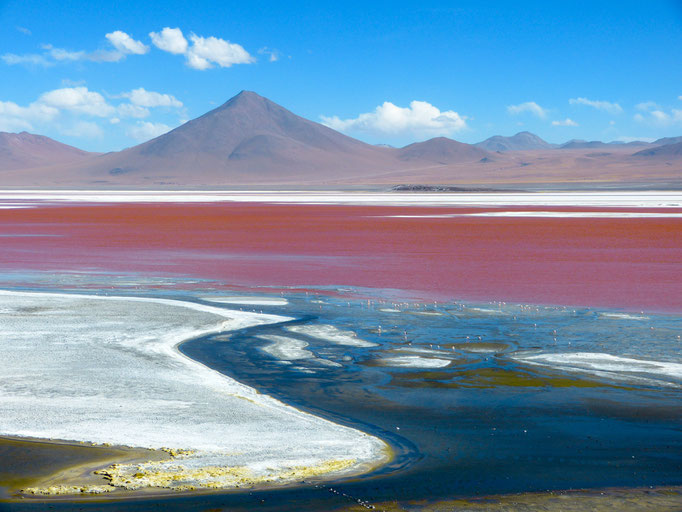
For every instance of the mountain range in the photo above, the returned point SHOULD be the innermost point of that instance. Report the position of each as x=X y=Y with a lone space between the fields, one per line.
x=252 y=141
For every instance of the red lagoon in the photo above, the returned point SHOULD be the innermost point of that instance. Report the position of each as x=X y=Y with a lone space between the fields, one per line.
x=631 y=263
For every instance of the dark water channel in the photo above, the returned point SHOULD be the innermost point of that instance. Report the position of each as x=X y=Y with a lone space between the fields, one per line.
x=484 y=422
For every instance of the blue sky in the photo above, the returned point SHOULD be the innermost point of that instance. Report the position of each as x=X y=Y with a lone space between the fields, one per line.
x=90 y=74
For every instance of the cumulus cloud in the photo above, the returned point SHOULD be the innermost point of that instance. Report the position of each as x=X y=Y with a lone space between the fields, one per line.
x=14 y=117
x=170 y=40
x=145 y=130
x=606 y=106
x=122 y=43
x=566 y=122
x=530 y=107
x=75 y=111
x=126 y=44
x=145 y=98
x=205 y=52
x=420 y=118
x=77 y=99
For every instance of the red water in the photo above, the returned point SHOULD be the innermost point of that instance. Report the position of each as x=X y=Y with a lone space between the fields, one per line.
x=631 y=263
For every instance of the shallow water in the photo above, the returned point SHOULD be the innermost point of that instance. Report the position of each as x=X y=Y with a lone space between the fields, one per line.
x=488 y=423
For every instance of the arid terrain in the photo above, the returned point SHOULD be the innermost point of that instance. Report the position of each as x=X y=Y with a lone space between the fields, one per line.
x=251 y=141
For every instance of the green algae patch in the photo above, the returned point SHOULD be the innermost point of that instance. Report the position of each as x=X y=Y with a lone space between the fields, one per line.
x=482 y=378
x=179 y=478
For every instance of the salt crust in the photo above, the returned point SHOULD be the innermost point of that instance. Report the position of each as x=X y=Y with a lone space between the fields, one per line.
x=623 y=316
x=107 y=370
x=414 y=362
x=607 y=365
x=332 y=334
x=652 y=199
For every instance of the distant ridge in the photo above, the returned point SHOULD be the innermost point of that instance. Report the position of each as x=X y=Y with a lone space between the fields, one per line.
x=664 y=151
x=250 y=141
x=25 y=150
x=583 y=144
x=667 y=140
x=522 y=141
x=443 y=151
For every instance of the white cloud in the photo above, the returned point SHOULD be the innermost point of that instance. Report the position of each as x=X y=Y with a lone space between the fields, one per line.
x=170 y=40
x=123 y=45
x=145 y=98
x=273 y=55
x=31 y=59
x=70 y=111
x=658 y=117
x=679 y=97
x=15 y=117
x=420 y=118
x=130 y=110
x=126 y=44
x=145 y=130
x=207 y=51
x=79 y=100
x=566 y=122
x=647 y=106
x=24 y=31
x=528 y=106
x=606 y=106
x=60 y=54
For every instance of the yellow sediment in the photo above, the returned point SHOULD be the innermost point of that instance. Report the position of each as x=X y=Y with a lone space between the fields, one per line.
x=180 y=478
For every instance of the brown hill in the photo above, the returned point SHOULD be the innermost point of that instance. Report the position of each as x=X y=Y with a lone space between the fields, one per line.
x=662 y=152
x=522 y=141
x=25 y=150
x=249 y=139
x=442 y=150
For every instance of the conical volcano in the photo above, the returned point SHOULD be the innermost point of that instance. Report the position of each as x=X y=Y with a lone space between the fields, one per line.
x=248 y=139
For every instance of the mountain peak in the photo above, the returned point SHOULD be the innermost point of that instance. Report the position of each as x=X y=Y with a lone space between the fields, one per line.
x=521 y=141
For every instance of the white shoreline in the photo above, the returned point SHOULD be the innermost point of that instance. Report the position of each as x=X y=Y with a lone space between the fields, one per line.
x=541 y=214
x=639 y=199
x=112 y=373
